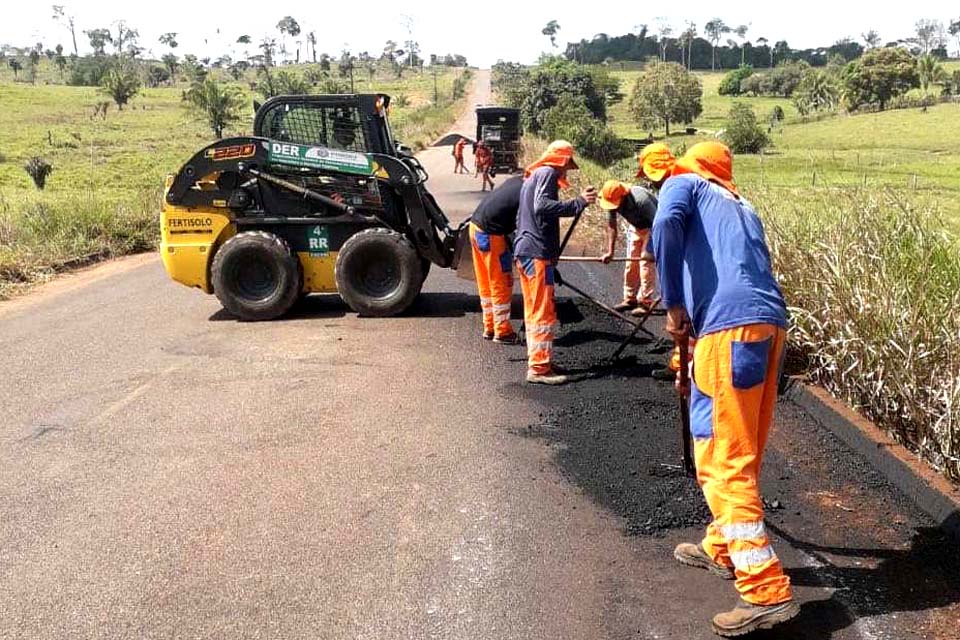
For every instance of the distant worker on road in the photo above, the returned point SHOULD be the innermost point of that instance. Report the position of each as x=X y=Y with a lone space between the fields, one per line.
x=490 y=225
x=717 y=284
x=459 y=166
x=537 y=248
x=483 y=157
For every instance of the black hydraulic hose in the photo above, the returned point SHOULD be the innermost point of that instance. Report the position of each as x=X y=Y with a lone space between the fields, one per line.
x=306 y=193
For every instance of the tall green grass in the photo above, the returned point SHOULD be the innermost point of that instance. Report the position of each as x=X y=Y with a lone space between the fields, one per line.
x=41 y=236
x=872 y=279
x=873 y=283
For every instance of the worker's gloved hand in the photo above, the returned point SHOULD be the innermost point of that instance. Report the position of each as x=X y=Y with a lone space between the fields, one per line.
x=678 y=323
x=607 y=257
x=557 y=280
x=589 y=195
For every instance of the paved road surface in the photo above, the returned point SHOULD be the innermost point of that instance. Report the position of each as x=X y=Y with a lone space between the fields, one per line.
x=168 y=472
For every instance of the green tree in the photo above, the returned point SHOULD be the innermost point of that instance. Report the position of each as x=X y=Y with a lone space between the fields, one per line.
x=879 y=75
x=287 y=26
x=220 y=105
x=245 y=40
x=741 y=32
x=281 y=83
x=928 y=35
x=817 y=91
x=743 y=134
x=715 y=29
x=571 y=120
x=126 y=36
x=169 y=39
x=732 y=83
x=871 y=39
x=930 y=71
x=555 y=77
x=666 y=93
x=60 y=60
x=99 y=39
x=170 y=62
x=120 y=83
x=312 y=42
x=551 y=30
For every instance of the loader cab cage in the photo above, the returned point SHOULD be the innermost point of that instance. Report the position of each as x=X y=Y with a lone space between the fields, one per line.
x=342 y=122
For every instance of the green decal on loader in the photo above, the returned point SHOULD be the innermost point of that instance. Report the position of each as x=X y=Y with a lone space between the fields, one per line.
x=298 y=155
x=318 y=242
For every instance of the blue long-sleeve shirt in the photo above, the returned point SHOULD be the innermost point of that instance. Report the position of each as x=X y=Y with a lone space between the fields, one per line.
x=712 y=257
x=538 y=220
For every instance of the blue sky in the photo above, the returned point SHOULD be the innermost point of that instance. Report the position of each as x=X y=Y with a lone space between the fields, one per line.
x=483 y=30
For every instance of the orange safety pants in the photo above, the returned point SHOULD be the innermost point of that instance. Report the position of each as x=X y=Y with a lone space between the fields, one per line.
x=539 y=312
x=493 y=266
x=733 y=395
x=639 y=278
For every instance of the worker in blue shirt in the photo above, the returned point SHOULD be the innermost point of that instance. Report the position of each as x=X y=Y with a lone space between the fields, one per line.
x=717 y=283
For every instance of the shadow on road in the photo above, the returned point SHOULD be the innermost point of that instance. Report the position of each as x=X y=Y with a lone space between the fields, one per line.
x=323 y=306
x=922 y=577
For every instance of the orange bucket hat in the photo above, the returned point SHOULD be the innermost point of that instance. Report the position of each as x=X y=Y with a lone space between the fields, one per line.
x=558 y=155
x=656 y=162
x=612 y=194
x=711 y=161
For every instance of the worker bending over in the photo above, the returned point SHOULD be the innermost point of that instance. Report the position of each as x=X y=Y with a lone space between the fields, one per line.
x=717 y=283
x=537 y=248
x=637 y=205
x=495 y=219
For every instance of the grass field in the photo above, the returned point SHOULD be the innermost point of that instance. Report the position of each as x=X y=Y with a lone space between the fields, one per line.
x=103 y=196
x=908 y=150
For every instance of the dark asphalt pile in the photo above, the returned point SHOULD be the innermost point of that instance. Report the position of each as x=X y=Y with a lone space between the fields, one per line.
x=615 y=434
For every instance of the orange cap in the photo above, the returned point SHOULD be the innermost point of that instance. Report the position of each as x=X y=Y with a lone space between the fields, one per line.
x=656 y=162
x=711 y=161
x=612 y=194
x=559 y=155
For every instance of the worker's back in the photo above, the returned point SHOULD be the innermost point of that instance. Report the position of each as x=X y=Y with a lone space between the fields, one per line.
x=724 y=244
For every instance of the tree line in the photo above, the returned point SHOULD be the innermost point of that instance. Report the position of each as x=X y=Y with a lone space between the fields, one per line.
x=722 y=46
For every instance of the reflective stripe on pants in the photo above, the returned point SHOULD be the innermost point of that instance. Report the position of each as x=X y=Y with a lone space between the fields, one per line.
x=493 y=267
x=539 y=312
x=639 y=278
x=734 y=392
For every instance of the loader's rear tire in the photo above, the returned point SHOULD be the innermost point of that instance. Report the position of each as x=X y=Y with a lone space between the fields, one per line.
x=256 y=276
x=378 y=272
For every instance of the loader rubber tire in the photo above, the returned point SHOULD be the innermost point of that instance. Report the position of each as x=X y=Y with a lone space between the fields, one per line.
x=378 y=272
x=256 y=276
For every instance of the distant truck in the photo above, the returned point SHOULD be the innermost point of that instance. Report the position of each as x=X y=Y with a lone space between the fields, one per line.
x=499 y=128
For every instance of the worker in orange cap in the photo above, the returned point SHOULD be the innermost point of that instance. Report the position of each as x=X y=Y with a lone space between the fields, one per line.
x=637 y=205
x=717 y=284
x=537 y=250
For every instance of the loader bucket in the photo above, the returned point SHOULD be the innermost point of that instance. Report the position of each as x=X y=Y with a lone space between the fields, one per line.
x=463 y=255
